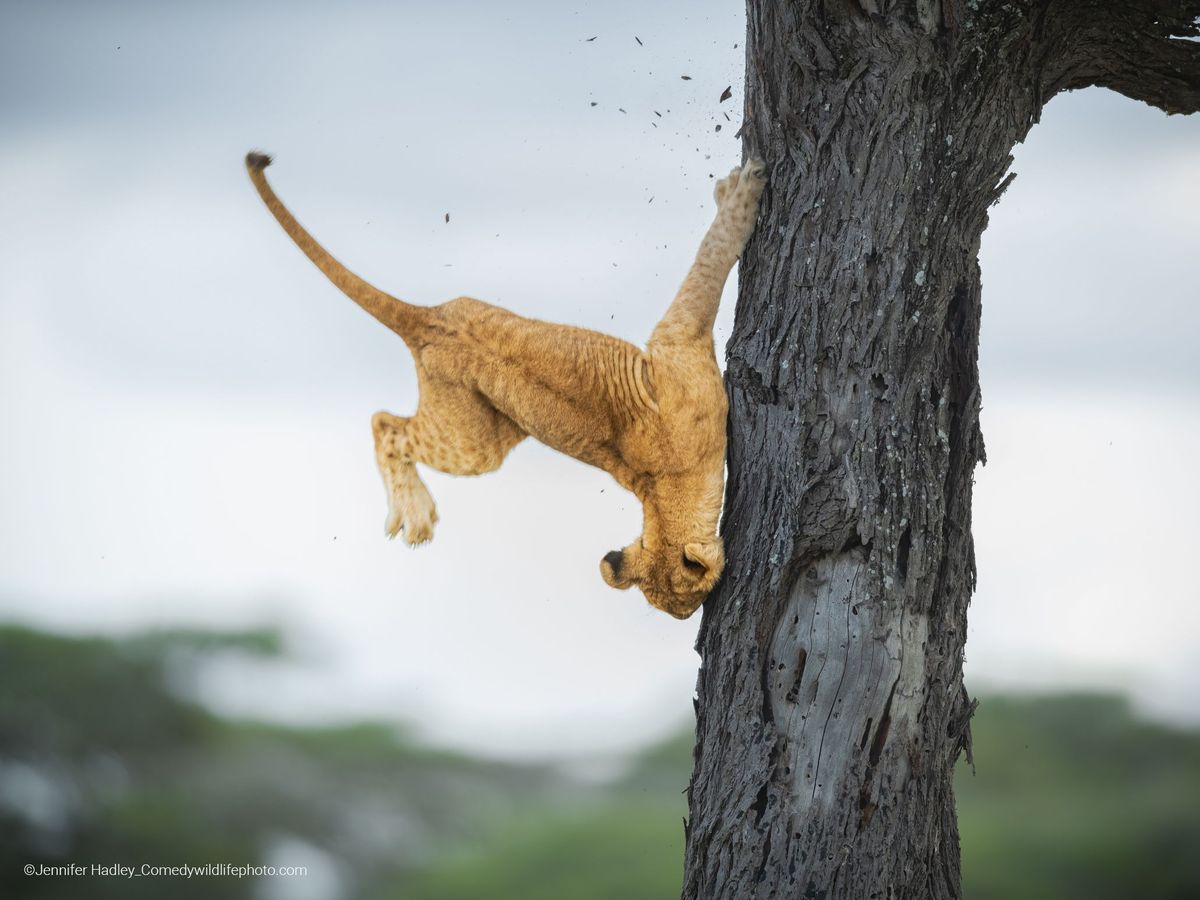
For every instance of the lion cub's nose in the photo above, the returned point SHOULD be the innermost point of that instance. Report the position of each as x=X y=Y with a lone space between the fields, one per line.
x=615 y=559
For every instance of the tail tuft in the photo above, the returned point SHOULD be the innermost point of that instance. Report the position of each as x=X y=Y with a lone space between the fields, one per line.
x=256 y=161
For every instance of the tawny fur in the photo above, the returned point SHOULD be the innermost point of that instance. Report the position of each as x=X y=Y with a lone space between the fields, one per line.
x=654 y=419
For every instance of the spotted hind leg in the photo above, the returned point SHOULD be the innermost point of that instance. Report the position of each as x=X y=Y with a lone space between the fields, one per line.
x=455 y=431
x=410 y=506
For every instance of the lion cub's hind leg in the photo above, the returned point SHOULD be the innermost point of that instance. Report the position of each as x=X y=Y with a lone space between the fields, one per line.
x=410 y=507
x=455 y=431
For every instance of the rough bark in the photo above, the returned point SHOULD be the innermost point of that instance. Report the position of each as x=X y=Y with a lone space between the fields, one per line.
x=831 y=707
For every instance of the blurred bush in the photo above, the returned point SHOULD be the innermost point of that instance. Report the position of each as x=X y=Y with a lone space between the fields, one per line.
x=101 y=761
x=1074 y=797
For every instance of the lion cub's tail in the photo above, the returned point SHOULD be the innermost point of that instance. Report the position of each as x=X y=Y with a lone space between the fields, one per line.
x=403 y=318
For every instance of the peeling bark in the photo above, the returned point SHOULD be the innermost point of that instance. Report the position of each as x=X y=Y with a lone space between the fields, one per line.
x=831 y=705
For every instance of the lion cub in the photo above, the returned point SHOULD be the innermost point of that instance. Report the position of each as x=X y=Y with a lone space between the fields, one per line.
x=654 y=419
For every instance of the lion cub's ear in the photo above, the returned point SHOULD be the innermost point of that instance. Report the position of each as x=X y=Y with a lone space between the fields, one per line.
x=704 y=561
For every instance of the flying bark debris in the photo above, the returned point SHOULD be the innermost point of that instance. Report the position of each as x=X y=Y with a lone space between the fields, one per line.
x=594 y=103
x=686 y=77
x=589 y=40
x=657 y=113
x=619 y=109
x=726 y=94
x=639 y=40
x=718 y=126
x=447 y=218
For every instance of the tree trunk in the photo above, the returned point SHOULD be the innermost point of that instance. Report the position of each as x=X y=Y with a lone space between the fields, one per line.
x=831 y=707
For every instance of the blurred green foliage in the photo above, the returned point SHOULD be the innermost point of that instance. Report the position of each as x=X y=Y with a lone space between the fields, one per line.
x=102 y=759
x=1074 y=797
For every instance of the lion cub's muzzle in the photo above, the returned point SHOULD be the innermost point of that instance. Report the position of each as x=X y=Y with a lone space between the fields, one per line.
x=611 y=568
x=623 y=569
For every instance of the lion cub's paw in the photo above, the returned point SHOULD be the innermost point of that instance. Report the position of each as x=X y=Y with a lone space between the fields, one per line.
x=419 y=532
x=753 y=179
x=726 y=186
x=412 y=513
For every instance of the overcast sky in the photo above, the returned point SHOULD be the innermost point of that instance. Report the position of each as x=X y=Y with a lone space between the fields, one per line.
x=186 y=401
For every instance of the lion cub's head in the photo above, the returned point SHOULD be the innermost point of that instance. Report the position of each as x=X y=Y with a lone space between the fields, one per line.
x=679 y=558
x=674 y=577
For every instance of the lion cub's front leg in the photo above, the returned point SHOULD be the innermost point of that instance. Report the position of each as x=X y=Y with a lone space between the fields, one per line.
x=690 y=317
